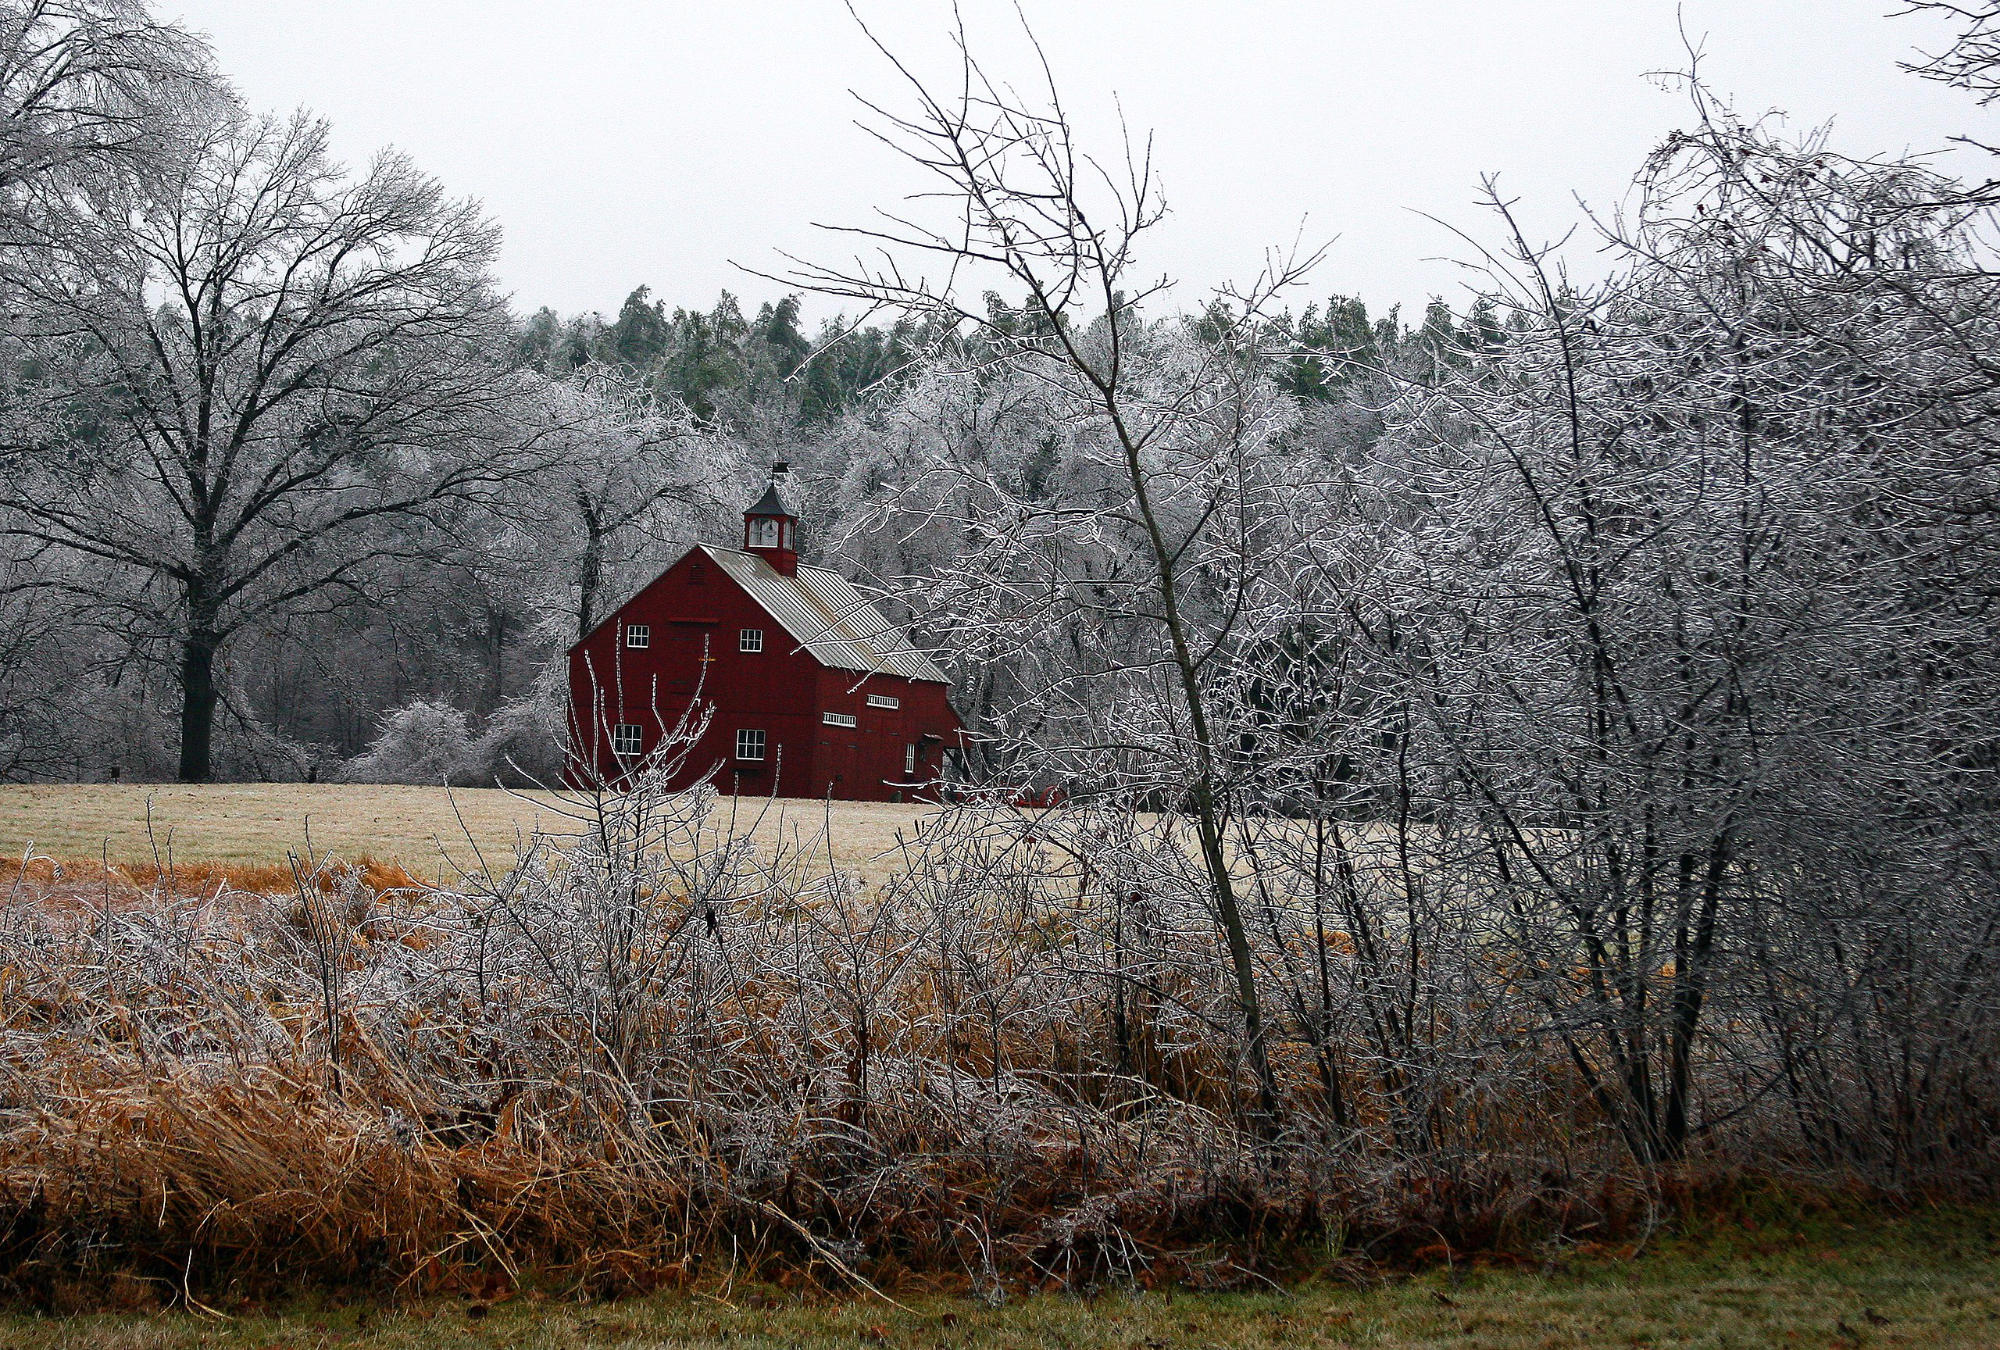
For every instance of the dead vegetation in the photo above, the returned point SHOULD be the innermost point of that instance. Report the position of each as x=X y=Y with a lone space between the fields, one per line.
x=663 y=1052
x=58 y=886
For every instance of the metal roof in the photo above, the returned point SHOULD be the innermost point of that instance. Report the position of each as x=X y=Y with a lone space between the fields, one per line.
x=828 y=617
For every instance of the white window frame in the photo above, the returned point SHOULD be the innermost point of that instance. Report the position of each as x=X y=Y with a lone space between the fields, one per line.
x=884 y=701
x=749 y=639
x=628 y=740
x=638 y=635
x=834 y=719
x=909 y=759
x=765 y=532
x=749 y=739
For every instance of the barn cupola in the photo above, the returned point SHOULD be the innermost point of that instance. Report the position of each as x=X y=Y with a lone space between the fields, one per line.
x=771 y=527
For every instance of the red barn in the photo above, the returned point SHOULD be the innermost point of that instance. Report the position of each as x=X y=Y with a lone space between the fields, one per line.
x=811 y=690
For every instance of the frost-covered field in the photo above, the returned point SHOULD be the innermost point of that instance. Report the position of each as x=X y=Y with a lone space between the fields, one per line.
x=424 y=829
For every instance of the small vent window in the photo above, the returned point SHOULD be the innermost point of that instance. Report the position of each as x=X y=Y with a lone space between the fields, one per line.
x=750 y=745
x=884 y=701
x=638 y=635
x=627 y=739
x=750 y=640
x=838 y=719
x=696 y=574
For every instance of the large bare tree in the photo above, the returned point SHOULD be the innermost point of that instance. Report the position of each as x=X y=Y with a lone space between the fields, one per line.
x=261 y=373
x=1156 y=539
x=1694 y=620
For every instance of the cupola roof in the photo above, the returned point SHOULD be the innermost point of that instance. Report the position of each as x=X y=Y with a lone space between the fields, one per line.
x=772 y=503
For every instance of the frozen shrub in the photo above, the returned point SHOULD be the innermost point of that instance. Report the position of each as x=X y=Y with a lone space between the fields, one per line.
x=522 y=744
x=421 y=742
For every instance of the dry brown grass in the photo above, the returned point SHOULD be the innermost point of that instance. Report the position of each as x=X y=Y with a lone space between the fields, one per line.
x=429 y=831
x=88 y=887
x=614 y=1072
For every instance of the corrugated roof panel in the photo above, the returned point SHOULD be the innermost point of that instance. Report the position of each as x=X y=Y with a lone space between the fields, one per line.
x=828 y=617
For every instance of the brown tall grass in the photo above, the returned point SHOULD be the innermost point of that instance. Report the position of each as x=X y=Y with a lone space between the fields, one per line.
x=663 y=1053
x=83 y=889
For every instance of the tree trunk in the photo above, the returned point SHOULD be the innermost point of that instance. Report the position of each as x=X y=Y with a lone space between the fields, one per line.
x=1237 y=934
x=198 y=698
x=1201 y=793
x=496 y=660
x=1690 y=990
x=589 y=572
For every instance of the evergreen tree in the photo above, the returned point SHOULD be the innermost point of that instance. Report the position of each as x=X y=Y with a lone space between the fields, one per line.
x=641 y=333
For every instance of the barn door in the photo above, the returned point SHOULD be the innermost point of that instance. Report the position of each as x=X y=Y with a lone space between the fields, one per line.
x=842 y=764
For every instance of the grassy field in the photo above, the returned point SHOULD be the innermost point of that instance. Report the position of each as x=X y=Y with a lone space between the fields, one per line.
x=1931 y=1280
x=424 y=829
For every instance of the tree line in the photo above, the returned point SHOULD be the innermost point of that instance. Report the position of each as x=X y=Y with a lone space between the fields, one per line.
x=278 y=460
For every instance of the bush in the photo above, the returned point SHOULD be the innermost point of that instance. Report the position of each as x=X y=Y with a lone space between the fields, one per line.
x=522 y=745
x=424 y=742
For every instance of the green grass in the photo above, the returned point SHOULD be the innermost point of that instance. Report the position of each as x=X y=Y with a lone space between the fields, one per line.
x=1930 y=1280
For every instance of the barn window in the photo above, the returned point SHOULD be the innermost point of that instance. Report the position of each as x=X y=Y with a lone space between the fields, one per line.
x=838 y=719
x=909 y=760
x=696 y=574
x=750 y=745
x=750 y=640
x=884 y=701
x=638 y=635
x=627 y=739
x=764 y=533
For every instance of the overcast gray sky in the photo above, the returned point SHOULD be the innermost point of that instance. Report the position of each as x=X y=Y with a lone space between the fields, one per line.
x=655 y=141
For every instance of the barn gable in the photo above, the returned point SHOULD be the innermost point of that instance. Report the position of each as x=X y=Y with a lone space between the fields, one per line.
x=822 y=611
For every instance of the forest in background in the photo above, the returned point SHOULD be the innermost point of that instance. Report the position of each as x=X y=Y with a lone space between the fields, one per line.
x=386 y=504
